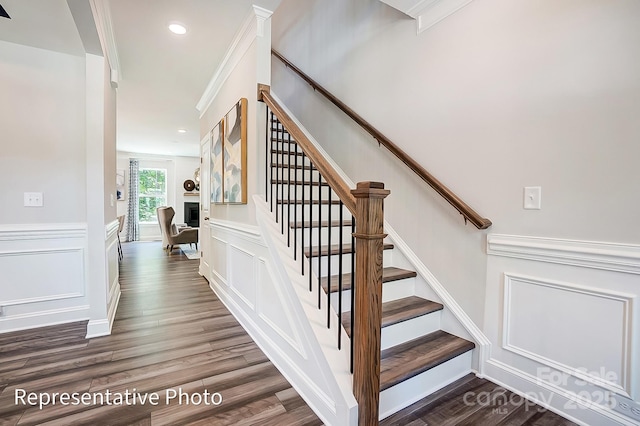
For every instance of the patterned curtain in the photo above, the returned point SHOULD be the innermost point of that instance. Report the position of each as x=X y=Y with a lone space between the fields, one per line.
x=133 y=227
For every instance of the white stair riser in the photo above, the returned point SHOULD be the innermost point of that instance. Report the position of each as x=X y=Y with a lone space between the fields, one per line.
x=406 y=393
x=324 y=261
x=392 y=290
x=324 y=235
x=404 y=331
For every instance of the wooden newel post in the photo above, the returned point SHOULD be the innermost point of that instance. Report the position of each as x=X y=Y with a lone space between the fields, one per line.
x=368 y=298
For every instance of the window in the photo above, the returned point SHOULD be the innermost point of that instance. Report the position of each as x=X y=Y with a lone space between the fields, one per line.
x=153 y=193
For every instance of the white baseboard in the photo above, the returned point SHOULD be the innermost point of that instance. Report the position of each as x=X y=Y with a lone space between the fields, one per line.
x=44 y=318
x=98 y=328
x=552 y=397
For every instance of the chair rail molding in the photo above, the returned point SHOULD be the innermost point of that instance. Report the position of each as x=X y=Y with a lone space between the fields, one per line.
x=615 y=257
x=427 y=13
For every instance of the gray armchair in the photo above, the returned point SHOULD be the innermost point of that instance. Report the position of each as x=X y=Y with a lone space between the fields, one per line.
x=171 y=235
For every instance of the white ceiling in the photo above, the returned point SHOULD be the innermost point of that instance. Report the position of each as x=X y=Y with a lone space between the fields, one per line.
x=46 y=24
x=163 y=75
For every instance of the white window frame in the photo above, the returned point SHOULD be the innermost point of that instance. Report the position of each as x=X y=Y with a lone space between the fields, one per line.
x=166 y=185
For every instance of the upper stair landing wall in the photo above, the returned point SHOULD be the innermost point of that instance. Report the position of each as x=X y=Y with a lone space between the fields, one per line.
x=484 y=108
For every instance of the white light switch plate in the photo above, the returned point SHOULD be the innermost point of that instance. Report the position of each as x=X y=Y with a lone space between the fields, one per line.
x=532 y=197
x=33 y=199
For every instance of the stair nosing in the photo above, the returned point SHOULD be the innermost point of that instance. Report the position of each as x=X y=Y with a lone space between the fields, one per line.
x=465 y=346
x=410 y=314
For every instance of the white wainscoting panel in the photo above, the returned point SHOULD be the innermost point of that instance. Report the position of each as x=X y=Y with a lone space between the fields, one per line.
x=218 y=258
x=592 y=343
x=113 y=271
x=63 y=280
x=563 y=319
x=248 y=279
x=271 y=309
x=43 y=279
x=242 y=275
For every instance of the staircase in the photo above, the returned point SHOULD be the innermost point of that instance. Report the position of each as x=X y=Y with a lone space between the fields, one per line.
x=417 y=357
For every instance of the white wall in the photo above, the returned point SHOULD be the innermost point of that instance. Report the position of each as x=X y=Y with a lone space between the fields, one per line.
x=178 y=169
x=42 y=147
x=241 y=84
x=499 y=96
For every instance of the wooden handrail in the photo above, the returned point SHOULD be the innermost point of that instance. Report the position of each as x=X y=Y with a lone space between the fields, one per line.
x=465 y=210
x=328 y=173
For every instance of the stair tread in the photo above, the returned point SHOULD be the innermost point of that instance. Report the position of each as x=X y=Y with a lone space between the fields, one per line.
x=324 y=224
x=307 y=201
x=397 y=311
x=416 y=356
x=388 y=274
x=335 y=249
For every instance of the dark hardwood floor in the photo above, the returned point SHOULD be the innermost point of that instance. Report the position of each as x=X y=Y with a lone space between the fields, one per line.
x=471 y=401
x=171 y=333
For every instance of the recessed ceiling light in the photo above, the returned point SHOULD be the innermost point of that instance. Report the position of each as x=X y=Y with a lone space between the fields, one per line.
x=182 y=131
x=177 y=28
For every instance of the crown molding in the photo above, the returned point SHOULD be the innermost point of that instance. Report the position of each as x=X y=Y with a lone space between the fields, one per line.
x=251 y=28
x=427 y=13
x=104 y=26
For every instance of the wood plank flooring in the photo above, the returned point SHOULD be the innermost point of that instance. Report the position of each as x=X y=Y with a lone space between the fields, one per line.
x=471 y=401
x=170 y=333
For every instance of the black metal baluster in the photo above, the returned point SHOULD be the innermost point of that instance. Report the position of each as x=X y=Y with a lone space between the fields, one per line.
x=340 y=224
x=266 y=154
x=288 y=191
x=329 y=263
x=302 y=199
x=353 y=282
x=310 y=226
x=275 y=163
x=270 y=161
x=282 y=184
x=319 y=239
x=295 y=208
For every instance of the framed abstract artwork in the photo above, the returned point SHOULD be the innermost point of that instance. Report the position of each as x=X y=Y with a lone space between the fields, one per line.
x=235 y=154
x=217 y=163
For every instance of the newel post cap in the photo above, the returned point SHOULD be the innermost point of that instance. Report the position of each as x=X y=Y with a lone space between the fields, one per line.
x=370 y=190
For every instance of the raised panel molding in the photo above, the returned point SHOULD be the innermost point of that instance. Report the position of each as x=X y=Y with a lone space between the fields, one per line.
x=34 y=258
x=242 y=275
x=290 y=335
x=599 y=315
x=598 y=255
x=427 y=13
x=47 y=265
